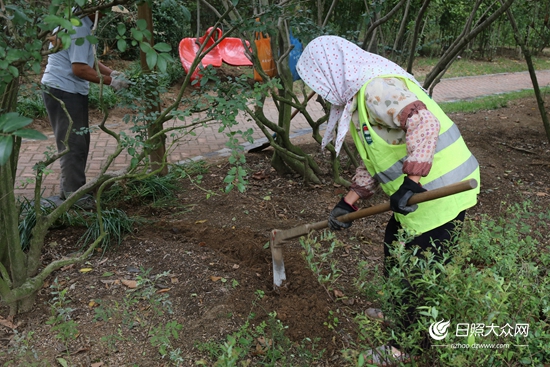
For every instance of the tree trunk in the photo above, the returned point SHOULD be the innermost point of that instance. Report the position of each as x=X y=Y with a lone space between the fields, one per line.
x=416 y=35
x=159 y=151
x=401 y=32
x=532 y=73
x=459 y=45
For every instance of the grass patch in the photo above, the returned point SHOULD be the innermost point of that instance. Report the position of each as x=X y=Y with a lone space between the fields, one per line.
x=116 y=224
x=491 y=102
x=468 y=67
x=30 y=103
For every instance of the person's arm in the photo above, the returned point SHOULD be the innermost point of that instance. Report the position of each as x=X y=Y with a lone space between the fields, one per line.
x=84 y=71
x=363 y=187
x=422 y=133
x=105 y=70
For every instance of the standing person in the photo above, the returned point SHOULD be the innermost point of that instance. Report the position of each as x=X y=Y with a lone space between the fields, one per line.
x=407 y=144
x=66 y=78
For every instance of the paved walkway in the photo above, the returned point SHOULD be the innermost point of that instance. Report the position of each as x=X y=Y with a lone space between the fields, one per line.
x=208 y=142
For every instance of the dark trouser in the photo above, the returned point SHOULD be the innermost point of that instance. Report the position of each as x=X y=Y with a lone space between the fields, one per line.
x=73 y=164
x=440 y=237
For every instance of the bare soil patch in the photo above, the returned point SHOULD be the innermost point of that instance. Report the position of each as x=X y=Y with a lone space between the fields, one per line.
x=213 y=252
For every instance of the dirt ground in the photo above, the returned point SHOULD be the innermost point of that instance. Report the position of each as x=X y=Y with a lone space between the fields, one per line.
x=214 y=260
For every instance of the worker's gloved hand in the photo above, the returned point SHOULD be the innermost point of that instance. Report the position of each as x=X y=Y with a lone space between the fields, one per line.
x=341 y=208
x=116 y=73
x=398 y=201
x=118 y=81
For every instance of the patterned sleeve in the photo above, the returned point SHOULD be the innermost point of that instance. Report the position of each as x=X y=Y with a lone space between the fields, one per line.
x=422 y=132
x=363 y=183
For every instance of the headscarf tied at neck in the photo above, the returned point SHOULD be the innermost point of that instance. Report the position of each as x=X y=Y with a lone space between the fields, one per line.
x=336 y=69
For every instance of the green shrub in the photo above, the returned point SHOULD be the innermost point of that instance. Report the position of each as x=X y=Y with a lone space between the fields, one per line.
x=171 y=23
x=110 y=98
x=31 y=105
x=496 y=286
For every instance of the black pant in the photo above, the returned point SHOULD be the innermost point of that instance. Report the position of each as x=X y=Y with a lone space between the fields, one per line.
x=73 y=164
x=437 y=240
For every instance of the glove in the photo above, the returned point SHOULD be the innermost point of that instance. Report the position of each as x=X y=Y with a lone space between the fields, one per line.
x=118 y=81
x=341 y=208
x=115 y=74
x=398 y=201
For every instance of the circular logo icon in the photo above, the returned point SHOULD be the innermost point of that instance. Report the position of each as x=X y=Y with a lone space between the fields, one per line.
x=438 y=330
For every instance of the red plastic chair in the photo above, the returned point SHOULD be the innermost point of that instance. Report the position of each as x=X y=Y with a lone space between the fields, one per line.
x=233 y=52
x=229 y=50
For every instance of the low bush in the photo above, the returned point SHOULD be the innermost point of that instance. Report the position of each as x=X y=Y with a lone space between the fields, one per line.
x=489 y=305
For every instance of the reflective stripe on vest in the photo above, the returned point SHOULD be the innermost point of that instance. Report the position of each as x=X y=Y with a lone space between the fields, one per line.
x=394 y=172
x=453 y=162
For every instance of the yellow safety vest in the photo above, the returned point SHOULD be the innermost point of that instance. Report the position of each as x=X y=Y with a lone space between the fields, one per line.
x=452 y=162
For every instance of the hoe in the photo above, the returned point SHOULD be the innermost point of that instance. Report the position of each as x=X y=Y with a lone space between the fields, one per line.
x=279 y=236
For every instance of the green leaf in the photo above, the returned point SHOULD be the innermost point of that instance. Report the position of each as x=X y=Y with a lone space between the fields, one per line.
x=63 y=362
x=141 y=24
x=30 y=134
x=15 y=55
x=121 y=29
x=145 y=47
x=151 y=58
x=56 y=20
x=161 y=64
x=92 y=39
x=75 y=21
x=121 y=45
x=19 y=17
x=79 y=41
x=134 y=162
x=6 y=146
x=12 y=121
x=65 y=39
x=162 y=47
x=138 y=35
x=36 y=67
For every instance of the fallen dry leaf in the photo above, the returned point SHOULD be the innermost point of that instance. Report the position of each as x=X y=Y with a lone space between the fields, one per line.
x=163 y=290
x=542 y=194
x=129 y=283
x=7 y=323
x=235 y=266
x=109 y=281
x=215 y=279
x=259 y=175
x=85 y=270
x=338 y=293
x=97 y=364
x=201 y=221
x=202 y=244
x=174 y=280
x=68 y=267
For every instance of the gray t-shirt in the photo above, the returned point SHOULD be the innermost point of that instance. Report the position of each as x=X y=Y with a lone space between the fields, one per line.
x=59 y=72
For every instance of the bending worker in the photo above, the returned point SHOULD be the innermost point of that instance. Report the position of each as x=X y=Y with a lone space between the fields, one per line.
x=407 y=143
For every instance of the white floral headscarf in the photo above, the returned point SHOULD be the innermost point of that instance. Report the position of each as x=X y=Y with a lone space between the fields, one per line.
x=336 y=69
